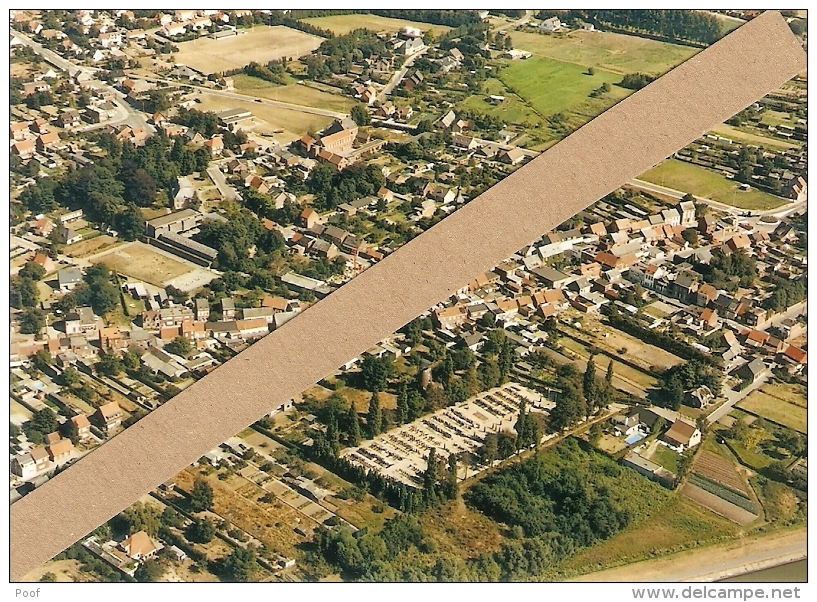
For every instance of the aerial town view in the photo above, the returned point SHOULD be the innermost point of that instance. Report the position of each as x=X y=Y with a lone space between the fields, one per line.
x=626 y=389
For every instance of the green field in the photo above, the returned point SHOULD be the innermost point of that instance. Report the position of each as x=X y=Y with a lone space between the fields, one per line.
x=343 y=24
x=294 y=93
x=735 y=134
x=611 y=52
x=675 y=526
x=776 y=410
x=790 y=393
x=552 y=86
x=708 y=184
x=511 y=110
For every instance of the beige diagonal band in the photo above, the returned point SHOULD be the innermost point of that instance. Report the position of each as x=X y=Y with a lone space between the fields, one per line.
x=619 y=145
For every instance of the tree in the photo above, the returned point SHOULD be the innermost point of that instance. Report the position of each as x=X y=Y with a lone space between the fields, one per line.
x=32 y=271
x=402 y=412
x=239 y=565
x=140 y=517
x=41 y=360
x=32 y=321
x=374 y=417
x=200 y=531
x=48 y=577
x=44 y=421
x=489 y=452
x=149 y=571
x=360 y=115
x=201 y=496
x=589 y=387
x=70 y=377
x=27 y=293
x=375 y=372
x=591 y=71
x=109 y=364
x=430 y=475
x=179 y=346
x=353 y=434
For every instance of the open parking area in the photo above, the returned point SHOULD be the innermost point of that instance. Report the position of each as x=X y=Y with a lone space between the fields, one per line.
x=401 y=453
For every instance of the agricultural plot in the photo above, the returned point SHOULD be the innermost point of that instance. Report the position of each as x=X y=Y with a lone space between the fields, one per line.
x=717 y=504
x=776 y=410
x=720 y=470
x=612 y=52
x=343 y=24
x=790 y=393
x=738 y=135
x=260 y=44
x=550 y=86
x=709 y=184
x=294 y=93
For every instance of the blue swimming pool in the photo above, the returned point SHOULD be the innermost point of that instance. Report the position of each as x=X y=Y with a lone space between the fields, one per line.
x=634 y=438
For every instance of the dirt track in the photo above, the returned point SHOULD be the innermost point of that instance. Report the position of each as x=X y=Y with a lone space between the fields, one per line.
x=713 y=563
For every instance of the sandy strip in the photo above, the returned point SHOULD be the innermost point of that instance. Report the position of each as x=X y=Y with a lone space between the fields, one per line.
x=614 y=148
x=712 y=563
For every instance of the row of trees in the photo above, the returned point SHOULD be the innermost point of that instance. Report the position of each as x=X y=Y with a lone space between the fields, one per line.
x=676 y=25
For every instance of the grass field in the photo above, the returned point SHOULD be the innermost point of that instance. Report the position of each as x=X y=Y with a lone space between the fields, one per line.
x=637 y=377
x=708 y=184
x=678 y=525
x=666 y=458
x=795 y=394
x=260 y=44
x=342 y=24
x=552 y=86
x=727 y=131
x=776 y=410
x=511 y=110
x=293 y=93
x=612 y=52
x=91 y=246
x=294 y=123
x=139 y=261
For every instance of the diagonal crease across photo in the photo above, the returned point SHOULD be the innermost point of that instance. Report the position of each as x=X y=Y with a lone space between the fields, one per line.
x=619 y=145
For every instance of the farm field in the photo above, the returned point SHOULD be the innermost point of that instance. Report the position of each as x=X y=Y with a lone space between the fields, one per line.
x=735 y=134
x=677 y=525
x=645 y=381
x=343 y=24
x=139 y=261
x=776 y=410
x=795 y=394
x=708 y=184
x=268 y=119
x=294 y=93
x=552 y=86
x=720 y=470
x=511 y=110
x=612 y=52
x=260 y=44
x=638 y=351
x=717 y=505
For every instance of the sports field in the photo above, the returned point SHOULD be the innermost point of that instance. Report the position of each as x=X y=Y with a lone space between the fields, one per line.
x=260 y=44
x=706 y=183
x=269 y=119
x=612 y=52
x=776 y=410
x=552 y=86
x=295 y=93
x=140 y=261
x=343 y=24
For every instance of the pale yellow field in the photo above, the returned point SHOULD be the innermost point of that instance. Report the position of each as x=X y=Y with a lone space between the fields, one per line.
x=260 y=44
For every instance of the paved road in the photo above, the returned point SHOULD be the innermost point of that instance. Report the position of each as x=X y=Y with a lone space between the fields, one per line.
x=126 y=114
x=782 y=211
x=517 y=23
x=244 y=97
x=399 y=75
x=733 y=397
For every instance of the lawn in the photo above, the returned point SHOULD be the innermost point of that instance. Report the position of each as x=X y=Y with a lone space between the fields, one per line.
x=734 y=134
x=776 y=410
x=551 y=86
x=706 y=183
x=294 y=93
x=260 y=44
x=666 y=458
x=677 y=525
x=343 y=24
x=611 y=52
x=90 y=246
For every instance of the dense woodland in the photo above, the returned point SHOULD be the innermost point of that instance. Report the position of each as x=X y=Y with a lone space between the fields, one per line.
x=675 y=25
